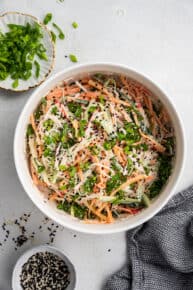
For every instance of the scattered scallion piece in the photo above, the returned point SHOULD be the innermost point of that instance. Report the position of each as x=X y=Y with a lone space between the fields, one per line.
x=61 y=34
x=47 y=18
x=73 y=58
x=75 y=24
x=37 y=65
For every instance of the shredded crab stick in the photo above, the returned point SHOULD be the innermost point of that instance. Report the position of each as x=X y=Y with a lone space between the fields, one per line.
x=100 y=147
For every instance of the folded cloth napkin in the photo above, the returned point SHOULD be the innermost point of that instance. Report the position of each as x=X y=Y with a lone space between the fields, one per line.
x=160 y=252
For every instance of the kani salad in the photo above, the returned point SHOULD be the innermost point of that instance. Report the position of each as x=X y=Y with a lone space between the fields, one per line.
x=101 y=146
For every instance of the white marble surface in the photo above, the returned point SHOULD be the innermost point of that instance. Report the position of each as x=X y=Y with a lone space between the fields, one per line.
x=153 y=37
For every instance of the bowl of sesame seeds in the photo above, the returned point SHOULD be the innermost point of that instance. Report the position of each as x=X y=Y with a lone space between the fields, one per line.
x=43 y=267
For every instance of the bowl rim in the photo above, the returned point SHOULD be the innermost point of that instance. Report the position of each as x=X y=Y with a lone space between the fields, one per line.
x=43 y=248
x=43 y=26
x=142 y=218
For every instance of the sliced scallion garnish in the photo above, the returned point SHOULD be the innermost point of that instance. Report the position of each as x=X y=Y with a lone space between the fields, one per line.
x=75 y=24
x=61 y=34
x=73 y=58
x=37 y=72
x=47 y=18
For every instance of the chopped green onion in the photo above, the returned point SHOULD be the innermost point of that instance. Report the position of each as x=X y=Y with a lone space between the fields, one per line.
x=15 y=84
x=62 y=167
x=75 y=24
x=102 y=99
x=130 y=166
x=48 y=140
x=47 y=152
x=89 y=183
x=61 y=34
x=147 y=170
x=65 y=206
x=47 y=18
x=30 y=130
x=48 y=124
x=42 y=55
x=41 y=168
x=114 y=182
x=37 y=65
x=54 y=110
x=85 y=166
x=109 y=144
x=43 y=101
x=82 y=128
x=73 y=58
x=94 y=149
x=75 y=108
x=72 y=171
x=53 y=35
x=146 y=200
x=62 y=187
x=79 y=211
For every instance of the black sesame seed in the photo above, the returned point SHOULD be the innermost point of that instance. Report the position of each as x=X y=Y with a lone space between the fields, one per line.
x=45 y=270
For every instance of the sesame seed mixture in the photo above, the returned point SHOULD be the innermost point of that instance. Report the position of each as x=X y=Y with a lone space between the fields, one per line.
x=45 y=271
x=17 y=231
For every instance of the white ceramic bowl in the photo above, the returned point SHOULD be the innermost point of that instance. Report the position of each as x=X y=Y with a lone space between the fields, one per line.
x=43 y=248
x=48 y=208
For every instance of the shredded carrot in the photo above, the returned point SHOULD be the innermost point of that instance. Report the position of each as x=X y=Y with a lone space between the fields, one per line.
x=53 y=196
x=120 y=155
x=109 y=214
x=56 y=93
x=108 y=94
x=32 y=120
x=101 y=216
x=80 y=173
x=35 y=177
x=124 y=80
x=125 y=115
x=132 y=180
x=154 y=143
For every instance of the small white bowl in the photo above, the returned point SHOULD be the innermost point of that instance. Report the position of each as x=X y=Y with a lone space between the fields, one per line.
x=45 y=66
x=16 y=285
x=49 y=208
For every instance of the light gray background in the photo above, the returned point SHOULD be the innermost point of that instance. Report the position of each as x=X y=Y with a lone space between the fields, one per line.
x=154 y=37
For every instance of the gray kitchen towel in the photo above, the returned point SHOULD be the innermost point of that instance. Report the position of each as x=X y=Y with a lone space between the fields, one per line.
x=160 y=252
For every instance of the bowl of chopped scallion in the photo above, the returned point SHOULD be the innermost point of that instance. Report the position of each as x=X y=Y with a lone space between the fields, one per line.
x=26 y=51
